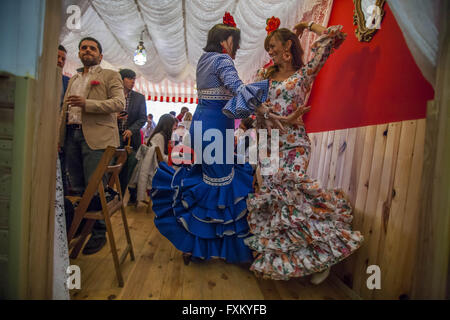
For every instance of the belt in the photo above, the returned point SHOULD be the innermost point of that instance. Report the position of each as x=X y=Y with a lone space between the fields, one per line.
x=219 y=93
x=74 y=126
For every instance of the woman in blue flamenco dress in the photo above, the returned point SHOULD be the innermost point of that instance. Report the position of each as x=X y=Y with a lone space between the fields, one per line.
x=201 y=208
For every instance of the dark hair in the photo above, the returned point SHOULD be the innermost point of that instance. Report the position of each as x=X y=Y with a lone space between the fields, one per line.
x=91 y=39
x=184 y=108
x=164 y=126
x=150 y=115
x=127 y=73
x=248 y=123
x=220 y=32
x=285 y=35
x=61 y=47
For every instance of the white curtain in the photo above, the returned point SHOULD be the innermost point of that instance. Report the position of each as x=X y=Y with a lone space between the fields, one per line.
x=60 y=248
x=419 y=21
x=175 y=32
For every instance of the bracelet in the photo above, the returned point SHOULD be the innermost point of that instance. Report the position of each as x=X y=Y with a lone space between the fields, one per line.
x=310 y=25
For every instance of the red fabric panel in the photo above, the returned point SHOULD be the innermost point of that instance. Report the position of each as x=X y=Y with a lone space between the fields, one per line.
x=367 y=83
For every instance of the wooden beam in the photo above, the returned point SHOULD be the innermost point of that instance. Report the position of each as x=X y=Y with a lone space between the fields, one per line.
x=431 y=277
x=44 y=108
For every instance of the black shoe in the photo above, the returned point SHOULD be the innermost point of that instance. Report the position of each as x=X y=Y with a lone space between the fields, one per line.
x=133 y=197
x=186 y=258
x=94 y=245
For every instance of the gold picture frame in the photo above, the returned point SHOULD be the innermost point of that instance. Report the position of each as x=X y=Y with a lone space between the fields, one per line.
x=364 y=9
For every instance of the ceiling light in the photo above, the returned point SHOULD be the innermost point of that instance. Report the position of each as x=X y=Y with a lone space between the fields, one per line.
x=140 y=55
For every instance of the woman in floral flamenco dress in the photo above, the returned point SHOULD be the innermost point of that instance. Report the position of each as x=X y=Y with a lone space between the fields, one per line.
x=298 y=227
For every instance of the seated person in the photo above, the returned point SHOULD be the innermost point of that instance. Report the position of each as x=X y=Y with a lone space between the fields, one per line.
x=146 y=167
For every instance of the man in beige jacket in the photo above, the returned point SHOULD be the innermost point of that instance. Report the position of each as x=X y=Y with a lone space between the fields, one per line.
x=89 y=123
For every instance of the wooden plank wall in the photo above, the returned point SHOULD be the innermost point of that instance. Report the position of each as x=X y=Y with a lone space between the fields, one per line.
x=28 y=151
x=7 y=89
x=379 y=168
x=433 y=262
x=45 y=111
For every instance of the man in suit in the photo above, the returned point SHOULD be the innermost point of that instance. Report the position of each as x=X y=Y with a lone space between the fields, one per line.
x=130 y=122
x=89 y=123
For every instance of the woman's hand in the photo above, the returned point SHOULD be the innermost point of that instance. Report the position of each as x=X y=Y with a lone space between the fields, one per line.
x=268 y=118
x=270 y=124
x=316 y=28
x=295 y=118
x=299 y=27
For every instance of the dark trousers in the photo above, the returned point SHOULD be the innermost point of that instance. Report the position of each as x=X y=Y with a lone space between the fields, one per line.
x=127 y=171
x=62 y=160
x=81 y=163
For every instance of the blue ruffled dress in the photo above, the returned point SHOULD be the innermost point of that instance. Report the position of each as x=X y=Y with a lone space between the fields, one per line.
x=201 y=208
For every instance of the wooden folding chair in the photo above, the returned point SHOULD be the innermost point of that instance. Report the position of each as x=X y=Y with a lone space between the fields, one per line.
x=128 y=147
x=108 y=208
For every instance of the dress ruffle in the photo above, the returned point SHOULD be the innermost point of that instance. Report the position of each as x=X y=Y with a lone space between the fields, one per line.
x=247 y=99
x=299 y=228
x=207 y=221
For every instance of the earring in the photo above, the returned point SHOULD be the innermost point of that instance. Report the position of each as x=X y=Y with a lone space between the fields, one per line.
x=224 y=50
x=287 y=56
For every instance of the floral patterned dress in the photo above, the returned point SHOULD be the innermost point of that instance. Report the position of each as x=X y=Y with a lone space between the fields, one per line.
x=298 y=227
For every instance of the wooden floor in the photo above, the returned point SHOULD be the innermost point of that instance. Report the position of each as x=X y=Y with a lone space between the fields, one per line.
x=159 y=273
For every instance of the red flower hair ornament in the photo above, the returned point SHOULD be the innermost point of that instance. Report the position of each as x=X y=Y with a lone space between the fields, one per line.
x=272 y=24
x=229 y=20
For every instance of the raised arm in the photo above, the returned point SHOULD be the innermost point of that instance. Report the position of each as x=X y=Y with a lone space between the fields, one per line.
x=329 y=39
x=314 y=27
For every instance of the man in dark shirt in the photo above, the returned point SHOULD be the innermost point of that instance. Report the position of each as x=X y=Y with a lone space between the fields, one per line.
x=130 y=122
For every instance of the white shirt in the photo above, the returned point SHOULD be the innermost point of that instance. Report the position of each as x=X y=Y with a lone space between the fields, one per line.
x=78 y=88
